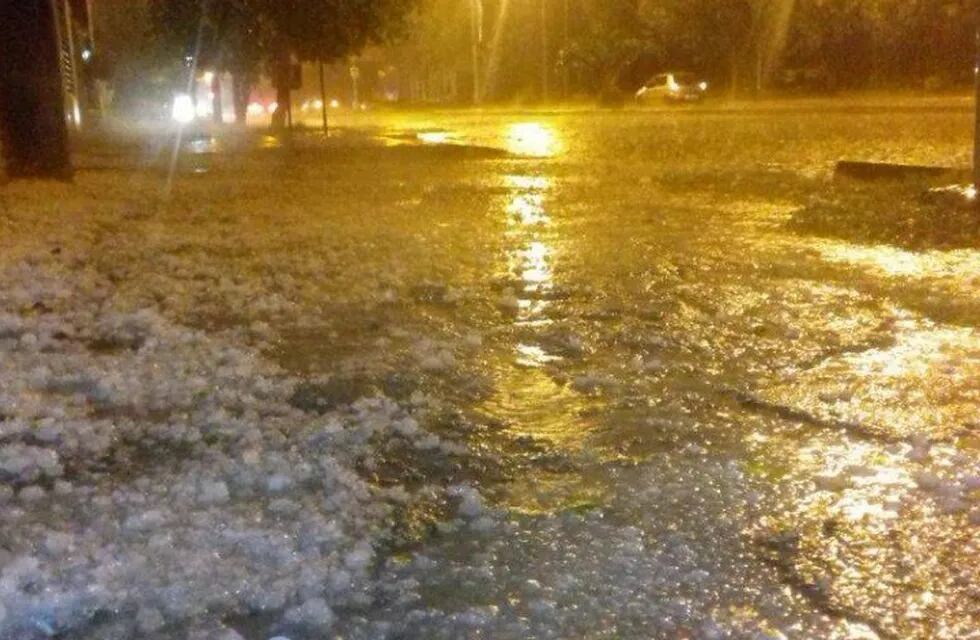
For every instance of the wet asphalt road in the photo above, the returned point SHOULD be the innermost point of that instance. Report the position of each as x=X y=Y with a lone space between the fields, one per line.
x=691 y=414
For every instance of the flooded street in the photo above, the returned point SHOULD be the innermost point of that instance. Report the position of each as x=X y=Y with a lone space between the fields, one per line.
x=723 y=427
x=660 y=375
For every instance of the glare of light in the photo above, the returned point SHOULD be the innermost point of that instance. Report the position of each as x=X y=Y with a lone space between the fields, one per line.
x=531 y=139
x=202 y=145
x=204 y=109
x=86 y=54
x=531 y=264
x=528 y=209
x=269 y=142
x=534 y=356
x=703 y=86
x=255 y=109
x=897 y=262
x=335 y=104
x=183 y=108
x=433 y=137
x=273 y=107
x=530 y=183
x=318 y=104
x=672 y=84
x=536 y=264
x=208 y=77
x=970 y=192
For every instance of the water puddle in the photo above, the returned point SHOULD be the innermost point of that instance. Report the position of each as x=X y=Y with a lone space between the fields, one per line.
x=894 y=262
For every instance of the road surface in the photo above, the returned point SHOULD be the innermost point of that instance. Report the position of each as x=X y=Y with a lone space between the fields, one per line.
x=675 y=381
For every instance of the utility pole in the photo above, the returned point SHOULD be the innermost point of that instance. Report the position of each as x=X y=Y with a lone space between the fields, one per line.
x=476 y=40
x=69 y=61
x=976 y=117
x=355 y=74
x=91 y=24
x=565 y=45
x=323 y=101
x=544 y=51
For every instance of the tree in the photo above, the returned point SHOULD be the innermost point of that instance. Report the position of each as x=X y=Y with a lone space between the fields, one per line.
x=33 y=133
x=613 y=35
x=238 y=35
x=325 y=31
x=714 y=35
x=226 y=36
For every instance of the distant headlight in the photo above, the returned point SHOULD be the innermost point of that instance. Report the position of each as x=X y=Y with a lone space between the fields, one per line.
x=183 y=109
x=703 y=86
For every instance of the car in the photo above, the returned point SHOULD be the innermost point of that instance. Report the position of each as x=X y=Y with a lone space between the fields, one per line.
x=674 y=86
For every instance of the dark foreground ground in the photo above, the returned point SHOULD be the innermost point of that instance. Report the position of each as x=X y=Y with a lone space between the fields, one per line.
x=509 y=375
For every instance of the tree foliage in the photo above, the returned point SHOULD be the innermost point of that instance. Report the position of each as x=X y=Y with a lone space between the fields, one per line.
x=613 y=36
x=241 y=35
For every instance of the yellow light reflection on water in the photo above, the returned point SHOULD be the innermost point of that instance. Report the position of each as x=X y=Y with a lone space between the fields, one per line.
x=535 y=260
x=433 y=137
x=892 y=261
x=532 y=263
x=530 y=355
x=532 y=139
x=529 y=183
x=528 y=209
x=526 y=205
x=269 y=142
x=869 y=483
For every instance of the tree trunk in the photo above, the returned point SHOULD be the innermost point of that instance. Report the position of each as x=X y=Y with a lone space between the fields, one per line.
x=240 y=89
x=282 y=82
x=33 y=132
x=734 y=78
x=217 y=109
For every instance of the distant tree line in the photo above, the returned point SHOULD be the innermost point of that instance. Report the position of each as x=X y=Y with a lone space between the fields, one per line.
x=578 y=47
x=609 y=46
x=885 y=43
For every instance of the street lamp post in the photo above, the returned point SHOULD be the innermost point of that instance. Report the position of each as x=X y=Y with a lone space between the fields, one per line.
x=544 y=50
x=323 y=100
x=565 y=44
x=476 y=38
x=976 y=109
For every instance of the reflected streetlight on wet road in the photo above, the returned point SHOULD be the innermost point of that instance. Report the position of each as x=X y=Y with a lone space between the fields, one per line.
x=532 y=139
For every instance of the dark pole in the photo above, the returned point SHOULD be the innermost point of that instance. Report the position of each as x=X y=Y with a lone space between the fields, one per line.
x=323 y=100
x=544 y=50
x=217 y=105
x=33 y=134
x=476 y=41
x=976 y=110
x=564 y=66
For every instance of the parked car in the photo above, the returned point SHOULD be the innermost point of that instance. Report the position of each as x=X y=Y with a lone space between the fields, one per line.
x=674 y=86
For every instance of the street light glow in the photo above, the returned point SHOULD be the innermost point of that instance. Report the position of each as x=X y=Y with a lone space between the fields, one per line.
x=183 y=109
